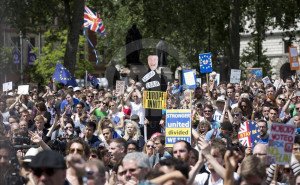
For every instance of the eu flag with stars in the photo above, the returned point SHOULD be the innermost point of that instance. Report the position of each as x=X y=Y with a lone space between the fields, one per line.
x=205 y=63
x=248 y=133
x=63 y=75
x=93 y=80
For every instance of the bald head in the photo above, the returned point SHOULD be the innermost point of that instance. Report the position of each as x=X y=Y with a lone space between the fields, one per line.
x=260 y=150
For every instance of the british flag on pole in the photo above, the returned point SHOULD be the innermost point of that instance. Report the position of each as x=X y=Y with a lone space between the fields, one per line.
x=92 y=21
x=248 y=134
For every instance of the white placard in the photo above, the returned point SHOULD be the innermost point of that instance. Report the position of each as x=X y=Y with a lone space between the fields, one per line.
x=23 y=89
x=189 y=78
x=293 y=52
x=148 y=76
x=7 y=86
x=266 y=80
x=120 y=87
x=218 y=78
x=235 y=76
x=152 y=84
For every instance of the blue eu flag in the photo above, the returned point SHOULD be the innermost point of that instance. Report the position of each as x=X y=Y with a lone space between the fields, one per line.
x=62 y=75
x=93 y=80
x=205 y=63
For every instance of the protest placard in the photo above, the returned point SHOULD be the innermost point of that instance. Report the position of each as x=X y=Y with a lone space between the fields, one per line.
x=178 y=126
x=150 y=85
x=281 y=141
x=205 y=62
x=120 y=87
x=248 y=133
x=148 y=76
x=266 y=80
x=23 y=89
x=7 y=86
x=293 y=58
x=256 y=73
x=235 y=76
x=154 y=100
x=189 y=78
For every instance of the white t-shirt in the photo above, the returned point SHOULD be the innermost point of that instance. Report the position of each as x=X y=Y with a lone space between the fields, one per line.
x=138 y=110
x=200 y=179
x=217 y=115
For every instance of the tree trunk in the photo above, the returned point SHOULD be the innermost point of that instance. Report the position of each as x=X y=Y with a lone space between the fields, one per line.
x=73 y=35
x=234 y=35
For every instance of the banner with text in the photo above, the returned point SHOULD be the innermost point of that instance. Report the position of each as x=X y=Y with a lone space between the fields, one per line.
x=248 y=133
x=120 y=87
x=7 y=86
x=154 y=100
x=178 y=126
x=293 y=58
x=235 y=76
x=281 y=141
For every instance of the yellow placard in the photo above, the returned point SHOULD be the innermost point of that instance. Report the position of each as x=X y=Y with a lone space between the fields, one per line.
x=154 y=100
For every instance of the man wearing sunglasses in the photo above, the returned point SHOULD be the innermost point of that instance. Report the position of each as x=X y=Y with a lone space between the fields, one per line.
x=49 y=168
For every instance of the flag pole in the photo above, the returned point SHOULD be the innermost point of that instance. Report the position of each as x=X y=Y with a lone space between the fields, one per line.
x=85 y=79
x=207 y=81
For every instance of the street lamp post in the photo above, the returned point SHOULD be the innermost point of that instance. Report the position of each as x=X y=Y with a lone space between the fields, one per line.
x=21 y=55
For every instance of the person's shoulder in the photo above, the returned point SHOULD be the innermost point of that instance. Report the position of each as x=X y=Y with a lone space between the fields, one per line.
x=201 y=178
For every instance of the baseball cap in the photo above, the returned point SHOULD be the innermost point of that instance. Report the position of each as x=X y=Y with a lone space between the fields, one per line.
x=30 y=154
x=134 y=117
x=48 y=159
x=221 y=99
x=77 y=89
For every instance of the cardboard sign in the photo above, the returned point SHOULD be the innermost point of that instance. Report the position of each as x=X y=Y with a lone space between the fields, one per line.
x=281 y=141
x=248 y=133
x=120 y=87
x=7 y=86
x=154 y=100
x=178 y=126
x=152 y=62
x=266 y=80
x=255 y=72
x=148 y=76
x=189 y=78
x=293 y=58
x=235 y=76
x=23 y=89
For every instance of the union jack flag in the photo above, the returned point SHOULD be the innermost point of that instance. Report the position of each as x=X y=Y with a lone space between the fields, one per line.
x=92 y=21
x=248 y=134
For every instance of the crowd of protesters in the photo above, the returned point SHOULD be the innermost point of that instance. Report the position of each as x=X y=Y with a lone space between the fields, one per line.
x=77 y=135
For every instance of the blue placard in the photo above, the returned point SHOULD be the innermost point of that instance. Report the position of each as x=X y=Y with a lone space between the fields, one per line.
x=205 y=63
x=178 y=126
x=257 y=72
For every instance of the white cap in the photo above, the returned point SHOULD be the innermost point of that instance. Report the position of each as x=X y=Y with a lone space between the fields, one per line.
x=221 y=99
x=30 y=154
x=77 y=89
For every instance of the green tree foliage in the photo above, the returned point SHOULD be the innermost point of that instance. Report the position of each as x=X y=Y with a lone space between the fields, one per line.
x=5 y=60
x=53 y=52
x=192 y=26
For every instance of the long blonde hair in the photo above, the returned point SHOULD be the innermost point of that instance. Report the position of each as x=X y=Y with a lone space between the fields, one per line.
x=137 y=133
